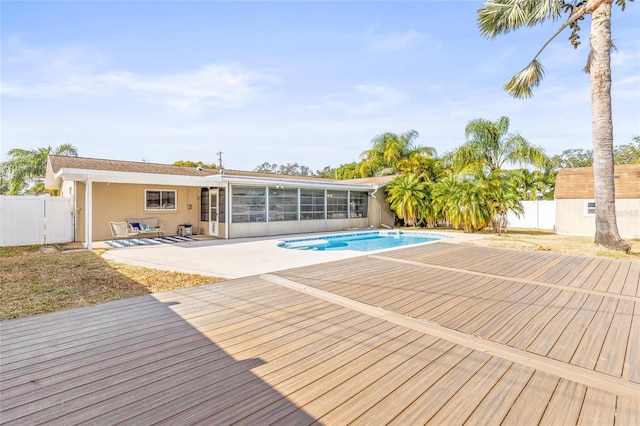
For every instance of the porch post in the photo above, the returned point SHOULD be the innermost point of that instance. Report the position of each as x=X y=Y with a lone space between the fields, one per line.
x=227 y=210
x=88 y=213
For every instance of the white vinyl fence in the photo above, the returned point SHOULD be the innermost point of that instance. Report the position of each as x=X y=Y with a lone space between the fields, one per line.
x=39 y=219
x=537 y=215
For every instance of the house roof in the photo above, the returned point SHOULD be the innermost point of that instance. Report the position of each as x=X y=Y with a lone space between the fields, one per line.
x=78 y=168
x=577 y=183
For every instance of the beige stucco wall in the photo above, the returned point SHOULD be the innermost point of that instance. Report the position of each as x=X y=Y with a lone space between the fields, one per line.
x=379 y=211
x=571 y=220
x=119 y=202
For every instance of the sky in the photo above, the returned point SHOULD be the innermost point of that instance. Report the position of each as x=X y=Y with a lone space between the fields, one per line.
x=307 y=82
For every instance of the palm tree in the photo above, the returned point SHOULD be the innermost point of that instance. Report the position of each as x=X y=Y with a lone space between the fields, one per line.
x=463 y=201
x=388 y=150
x=423 y=163
x=408 y=198
x=533 y=185
x=503 y=196
x=503 y=16
x=490 y=146
x=25 y=166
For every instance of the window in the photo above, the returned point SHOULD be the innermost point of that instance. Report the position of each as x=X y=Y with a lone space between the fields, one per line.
x=311 y=204
x=337 y=203
x=249 y=204
x=283 y=204
x=160 y=199
x=204 y=205
x=590 y=208
x=358 y=204
x=222 y=205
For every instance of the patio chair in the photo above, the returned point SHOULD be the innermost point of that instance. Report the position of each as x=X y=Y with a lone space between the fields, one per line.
x=122 y=231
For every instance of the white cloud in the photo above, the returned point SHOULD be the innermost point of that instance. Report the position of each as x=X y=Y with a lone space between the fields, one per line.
x=226 y=86
x=365 y=99
x=392 y=40
x=74 y=71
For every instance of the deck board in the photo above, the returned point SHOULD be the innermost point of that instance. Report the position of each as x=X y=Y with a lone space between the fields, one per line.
x=251 y=351
x=565 y=404
x=540 y=387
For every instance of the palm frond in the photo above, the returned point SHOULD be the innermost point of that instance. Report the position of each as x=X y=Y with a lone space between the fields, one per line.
x=622 y=4
x=501 y=16
x=520 y=85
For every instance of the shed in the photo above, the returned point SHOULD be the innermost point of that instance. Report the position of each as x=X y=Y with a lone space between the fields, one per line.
x=575 y=201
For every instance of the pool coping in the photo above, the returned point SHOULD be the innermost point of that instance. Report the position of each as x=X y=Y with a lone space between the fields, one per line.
x=430 y=237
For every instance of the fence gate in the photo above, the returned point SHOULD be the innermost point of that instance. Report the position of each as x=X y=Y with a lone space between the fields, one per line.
x=37 y=219
x=540 y=214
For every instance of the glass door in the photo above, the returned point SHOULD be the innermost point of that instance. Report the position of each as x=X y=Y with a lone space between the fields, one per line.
x=213 y=211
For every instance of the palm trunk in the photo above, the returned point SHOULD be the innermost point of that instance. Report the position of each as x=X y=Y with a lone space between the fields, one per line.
x=602 y=129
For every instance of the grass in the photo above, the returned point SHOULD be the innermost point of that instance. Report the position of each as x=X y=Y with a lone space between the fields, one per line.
x=539 y=240
x=36 y=280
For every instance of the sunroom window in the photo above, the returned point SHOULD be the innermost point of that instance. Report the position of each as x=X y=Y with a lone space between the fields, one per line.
x=311 y=204
x=249 y=204
x=337 y=204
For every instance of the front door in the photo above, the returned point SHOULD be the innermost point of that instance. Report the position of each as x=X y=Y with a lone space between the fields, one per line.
x=213 y=211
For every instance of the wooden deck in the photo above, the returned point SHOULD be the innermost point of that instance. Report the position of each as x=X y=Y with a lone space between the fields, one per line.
x=437 y=334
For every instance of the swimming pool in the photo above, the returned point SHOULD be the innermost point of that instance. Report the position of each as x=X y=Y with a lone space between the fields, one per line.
x=361 y=241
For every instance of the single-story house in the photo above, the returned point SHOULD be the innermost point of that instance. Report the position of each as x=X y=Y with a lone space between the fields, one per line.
x=218 y=202
x=576 y=206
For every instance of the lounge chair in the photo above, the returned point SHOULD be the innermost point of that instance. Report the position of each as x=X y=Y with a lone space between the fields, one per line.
x=122 y=231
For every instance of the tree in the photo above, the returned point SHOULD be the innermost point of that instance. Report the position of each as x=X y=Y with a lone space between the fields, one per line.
x=26 y=166
x=537 y=184
x=267 y=168
x=502 y=16
x=388 y=150
x=503 y=197
x=348 y=171
x=622 y=154
x=629 y=153
x=327 y=173
x=188 y=163
x=463 y=202
x=423 y=164
x=573 y=158
x=291 y=169
x=407 y=195
x=490 y=146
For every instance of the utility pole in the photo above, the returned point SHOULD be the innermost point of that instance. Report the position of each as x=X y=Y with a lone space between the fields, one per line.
x=219 y=158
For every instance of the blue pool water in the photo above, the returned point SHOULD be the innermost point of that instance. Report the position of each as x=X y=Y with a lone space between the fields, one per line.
x=360 y=241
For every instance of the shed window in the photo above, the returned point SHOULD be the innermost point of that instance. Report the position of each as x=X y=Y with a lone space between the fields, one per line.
x=164 y=199
x=590 y=208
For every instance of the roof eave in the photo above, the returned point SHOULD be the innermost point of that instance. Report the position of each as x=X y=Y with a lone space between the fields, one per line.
x=298 y=183
x=82 y=175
